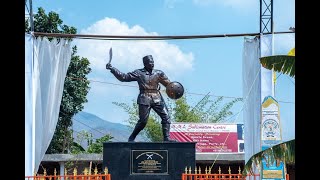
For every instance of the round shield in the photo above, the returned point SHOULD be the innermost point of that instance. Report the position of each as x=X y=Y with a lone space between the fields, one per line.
x=174 y=90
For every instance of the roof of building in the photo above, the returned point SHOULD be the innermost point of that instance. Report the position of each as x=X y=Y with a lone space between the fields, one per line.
x=99 y=157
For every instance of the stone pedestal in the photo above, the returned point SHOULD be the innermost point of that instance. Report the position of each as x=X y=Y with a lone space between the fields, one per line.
x=147 y=160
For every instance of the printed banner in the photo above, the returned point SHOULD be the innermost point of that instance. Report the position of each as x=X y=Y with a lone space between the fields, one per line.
x=240 y=131
x=270 y=123
x=210 y=137
x=273 y=171
x=270 y=136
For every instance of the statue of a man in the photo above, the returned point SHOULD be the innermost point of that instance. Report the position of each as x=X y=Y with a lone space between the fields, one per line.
x=149 y=97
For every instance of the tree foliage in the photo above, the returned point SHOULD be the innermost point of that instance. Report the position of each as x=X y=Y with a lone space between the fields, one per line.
x=76 y=85
x=205 y=111
x=93 y=147
x=281 y=152
x=74 y=95
x=97 y=146
x=281 y=63
x=49 y=23
x=153 y=128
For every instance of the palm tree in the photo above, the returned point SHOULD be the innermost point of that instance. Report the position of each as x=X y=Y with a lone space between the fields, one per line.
x=285 y=151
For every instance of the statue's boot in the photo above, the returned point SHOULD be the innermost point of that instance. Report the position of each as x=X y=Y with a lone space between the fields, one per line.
x=135 y=132
x=166 y=133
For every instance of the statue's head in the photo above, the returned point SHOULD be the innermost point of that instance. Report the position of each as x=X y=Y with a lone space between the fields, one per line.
x=148 y=62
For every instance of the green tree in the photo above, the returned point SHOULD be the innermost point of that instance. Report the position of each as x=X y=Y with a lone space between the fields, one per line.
x=205 y=111
x=284 y=152
x=76 y=85
x=50 y=23
x=183 y=111
x=74 y=95
x=97 y=146
x=93 y=147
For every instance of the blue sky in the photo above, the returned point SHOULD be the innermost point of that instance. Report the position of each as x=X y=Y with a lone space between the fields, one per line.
x=202 y=65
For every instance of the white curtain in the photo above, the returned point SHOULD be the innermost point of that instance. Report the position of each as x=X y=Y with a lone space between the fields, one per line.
x=251 y=82
x=29 y=136
x=257 y=84
x=50 y=61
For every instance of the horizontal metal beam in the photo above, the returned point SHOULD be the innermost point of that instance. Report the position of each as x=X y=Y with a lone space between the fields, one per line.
x=121 y=37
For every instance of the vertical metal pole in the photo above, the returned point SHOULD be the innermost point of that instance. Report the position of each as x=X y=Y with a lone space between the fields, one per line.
x=31 y=16
x=271 y=4
x=274 y=74
x=272 y=50
x=260 y=16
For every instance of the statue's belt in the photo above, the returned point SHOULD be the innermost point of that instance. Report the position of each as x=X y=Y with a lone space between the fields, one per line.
x=149 y=90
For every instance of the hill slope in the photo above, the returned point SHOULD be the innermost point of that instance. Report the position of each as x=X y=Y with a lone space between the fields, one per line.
x=100 y=127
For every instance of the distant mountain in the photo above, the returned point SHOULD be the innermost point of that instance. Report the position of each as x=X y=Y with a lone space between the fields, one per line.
x=100 y=127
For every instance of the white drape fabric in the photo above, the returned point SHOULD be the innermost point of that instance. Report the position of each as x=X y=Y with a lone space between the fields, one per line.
x=251 y=82
x=29 y=128
x=257 y=83
x=50 y=61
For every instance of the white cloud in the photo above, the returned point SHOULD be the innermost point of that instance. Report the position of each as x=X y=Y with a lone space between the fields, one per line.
x=236 y=4
x=127 y=55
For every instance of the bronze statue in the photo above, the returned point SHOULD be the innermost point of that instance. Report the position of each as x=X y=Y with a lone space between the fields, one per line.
x=150 y=97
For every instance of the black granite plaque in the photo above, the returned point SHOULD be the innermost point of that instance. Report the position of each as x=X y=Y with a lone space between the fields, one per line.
x=149 y=161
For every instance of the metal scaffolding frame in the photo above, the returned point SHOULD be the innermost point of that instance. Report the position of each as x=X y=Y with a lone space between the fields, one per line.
x=266 y=16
